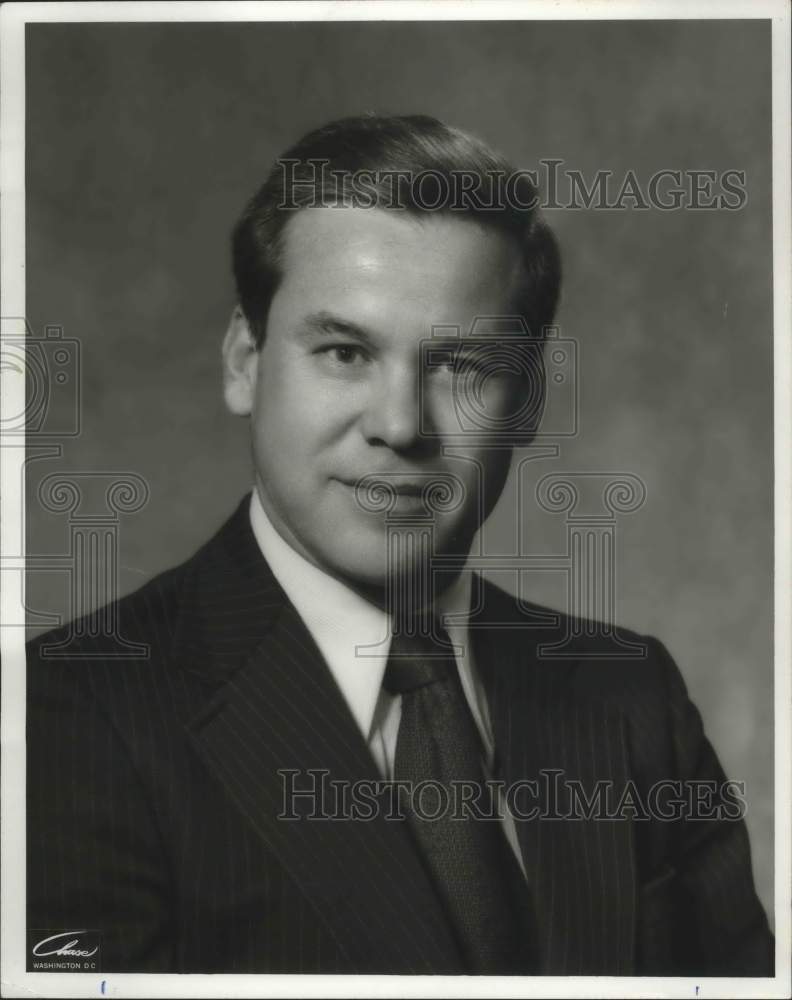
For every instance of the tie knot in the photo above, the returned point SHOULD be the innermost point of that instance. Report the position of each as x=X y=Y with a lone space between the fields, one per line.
x=416 y=661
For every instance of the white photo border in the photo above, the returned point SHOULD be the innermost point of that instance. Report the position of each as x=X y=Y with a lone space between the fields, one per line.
x=16 y=981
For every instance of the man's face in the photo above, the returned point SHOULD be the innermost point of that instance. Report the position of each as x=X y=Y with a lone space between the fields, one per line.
x=339 y=386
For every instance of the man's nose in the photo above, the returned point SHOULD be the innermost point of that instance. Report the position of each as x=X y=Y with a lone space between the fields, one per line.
x=392 y=416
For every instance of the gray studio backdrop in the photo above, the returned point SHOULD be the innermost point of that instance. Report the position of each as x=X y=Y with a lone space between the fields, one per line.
x=144 y=141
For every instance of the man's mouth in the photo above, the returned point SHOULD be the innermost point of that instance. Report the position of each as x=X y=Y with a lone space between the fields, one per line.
x=389 y=482
x=407 y=489
x=375 y=495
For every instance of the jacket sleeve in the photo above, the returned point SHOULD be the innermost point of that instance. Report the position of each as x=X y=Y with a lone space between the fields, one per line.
x=720 y=923
x=95 y=860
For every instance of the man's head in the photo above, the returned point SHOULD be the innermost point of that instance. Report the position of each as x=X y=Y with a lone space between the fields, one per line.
x=356 y=250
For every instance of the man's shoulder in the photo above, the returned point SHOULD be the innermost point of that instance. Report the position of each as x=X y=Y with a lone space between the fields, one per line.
x=574 y=669
x=127 y=622
x=140 y=628
x=116 y=660
x=584 y=656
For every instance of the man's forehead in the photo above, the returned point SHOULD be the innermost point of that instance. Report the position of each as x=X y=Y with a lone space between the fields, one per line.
x=431 y=254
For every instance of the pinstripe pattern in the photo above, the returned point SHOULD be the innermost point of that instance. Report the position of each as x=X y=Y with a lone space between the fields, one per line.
x=153 y=797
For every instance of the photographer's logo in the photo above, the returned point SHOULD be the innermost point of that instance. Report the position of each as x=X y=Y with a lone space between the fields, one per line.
x=64 y=951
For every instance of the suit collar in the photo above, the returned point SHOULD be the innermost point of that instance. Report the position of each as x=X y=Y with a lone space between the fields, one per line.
x=352 y=634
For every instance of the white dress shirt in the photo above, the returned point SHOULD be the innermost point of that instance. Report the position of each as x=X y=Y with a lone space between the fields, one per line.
x=354 y=638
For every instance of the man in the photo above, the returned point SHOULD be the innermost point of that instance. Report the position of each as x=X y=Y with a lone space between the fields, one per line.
x=249 y=795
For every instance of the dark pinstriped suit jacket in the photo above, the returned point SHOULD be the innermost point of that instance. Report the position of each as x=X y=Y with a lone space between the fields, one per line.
x=153 y=797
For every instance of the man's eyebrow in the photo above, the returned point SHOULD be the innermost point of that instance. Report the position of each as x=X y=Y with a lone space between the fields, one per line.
x=328 y=324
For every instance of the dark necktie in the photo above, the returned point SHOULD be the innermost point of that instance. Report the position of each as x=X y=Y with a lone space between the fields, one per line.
x=468 y=858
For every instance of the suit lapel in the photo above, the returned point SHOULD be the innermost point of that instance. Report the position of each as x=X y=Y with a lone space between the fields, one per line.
x=581 y=871
x=271 y=721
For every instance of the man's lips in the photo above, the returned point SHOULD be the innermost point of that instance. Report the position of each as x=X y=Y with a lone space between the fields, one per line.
x=368 y=482
x=376 y=495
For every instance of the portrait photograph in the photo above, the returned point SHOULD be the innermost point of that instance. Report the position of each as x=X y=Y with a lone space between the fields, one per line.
x=395 y=507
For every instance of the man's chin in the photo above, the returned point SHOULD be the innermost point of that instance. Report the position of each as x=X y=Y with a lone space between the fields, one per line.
x=410 y=572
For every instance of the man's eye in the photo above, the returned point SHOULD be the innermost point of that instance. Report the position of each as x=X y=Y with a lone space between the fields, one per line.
x=343 y=355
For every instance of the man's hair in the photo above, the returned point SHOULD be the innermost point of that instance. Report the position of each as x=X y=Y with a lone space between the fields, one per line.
x=385 y=162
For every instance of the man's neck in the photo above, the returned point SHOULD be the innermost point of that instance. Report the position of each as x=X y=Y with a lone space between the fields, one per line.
x=388 y=595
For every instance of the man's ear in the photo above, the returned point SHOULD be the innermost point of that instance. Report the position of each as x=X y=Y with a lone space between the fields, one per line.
x=240 y=360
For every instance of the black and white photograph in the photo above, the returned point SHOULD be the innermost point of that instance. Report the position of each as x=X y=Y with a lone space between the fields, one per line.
x=395 y=509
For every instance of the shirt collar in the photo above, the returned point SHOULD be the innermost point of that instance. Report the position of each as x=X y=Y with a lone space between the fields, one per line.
x=352 y=634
